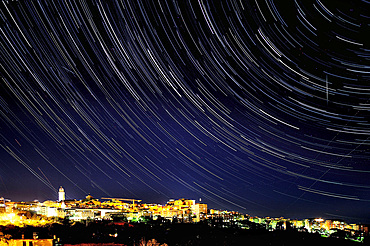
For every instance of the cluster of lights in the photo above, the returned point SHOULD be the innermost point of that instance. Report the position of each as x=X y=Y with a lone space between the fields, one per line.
x=7 y=219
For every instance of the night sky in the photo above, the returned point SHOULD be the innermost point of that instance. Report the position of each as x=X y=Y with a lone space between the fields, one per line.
x=262 y=107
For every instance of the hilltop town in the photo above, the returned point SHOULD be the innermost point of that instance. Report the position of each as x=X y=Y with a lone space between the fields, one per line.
x=184 y=211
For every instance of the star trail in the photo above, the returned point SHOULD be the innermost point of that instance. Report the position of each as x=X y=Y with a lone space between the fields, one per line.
x=256 y=106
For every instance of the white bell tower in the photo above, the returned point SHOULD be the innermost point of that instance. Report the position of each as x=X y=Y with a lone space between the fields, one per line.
x=62 y=194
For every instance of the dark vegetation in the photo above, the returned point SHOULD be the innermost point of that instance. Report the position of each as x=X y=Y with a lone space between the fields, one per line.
x=205 y=233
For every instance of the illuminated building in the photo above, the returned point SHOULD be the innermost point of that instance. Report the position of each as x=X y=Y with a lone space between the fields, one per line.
x=82 y=213
x=118 y=203
x=314 y=224
x=364 y=228
x=33 y=206
x=200 y=211
x=90 y=202
x=61 y=194
x=335 y=224
x=255 y=219
x=181 y=203
x=48 y=211
x=30 y=242
x=355 y=227
x=170 y=212
x=298 y=223
x=3 y=204
x=181 y=209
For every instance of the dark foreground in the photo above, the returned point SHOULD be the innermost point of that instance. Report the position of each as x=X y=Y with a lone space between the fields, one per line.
x=171 y=234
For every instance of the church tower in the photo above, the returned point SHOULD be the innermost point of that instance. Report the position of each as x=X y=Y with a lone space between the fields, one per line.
x=62 y=194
